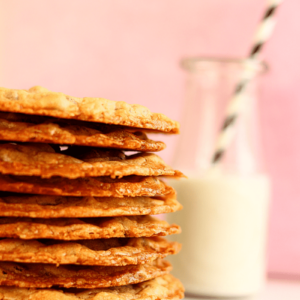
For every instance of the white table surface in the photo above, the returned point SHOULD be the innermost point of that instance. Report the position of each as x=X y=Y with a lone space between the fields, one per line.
x=274 y=290
x=280 y=290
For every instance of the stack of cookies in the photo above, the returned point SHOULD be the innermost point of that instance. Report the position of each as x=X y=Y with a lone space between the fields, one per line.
x=78 y=186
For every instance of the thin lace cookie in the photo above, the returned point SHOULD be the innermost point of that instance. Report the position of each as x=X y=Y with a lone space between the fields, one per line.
x=64 y=132
x=40 y=101
x=81 y=229
x=129 y=186
x=103 y=252
x=42 y=160
x=160 y=288
x=41 y=206
x=70 y=276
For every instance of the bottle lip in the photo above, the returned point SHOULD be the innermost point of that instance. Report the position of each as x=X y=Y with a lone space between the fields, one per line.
x=202 y=62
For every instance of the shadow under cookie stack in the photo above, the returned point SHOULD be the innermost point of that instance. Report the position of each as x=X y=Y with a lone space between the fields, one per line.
x=76 y=204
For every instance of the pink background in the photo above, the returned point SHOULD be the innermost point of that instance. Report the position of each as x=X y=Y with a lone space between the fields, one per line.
x=129 y=50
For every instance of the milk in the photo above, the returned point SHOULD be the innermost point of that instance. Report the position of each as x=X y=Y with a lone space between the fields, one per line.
x=224 y=224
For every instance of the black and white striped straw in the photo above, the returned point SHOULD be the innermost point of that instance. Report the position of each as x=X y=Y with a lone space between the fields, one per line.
x=263 y=33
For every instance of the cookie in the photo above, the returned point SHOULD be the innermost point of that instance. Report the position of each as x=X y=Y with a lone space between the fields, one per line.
x=79 y=229
x=70 y=276
x=103 y=252
x=130 y=186
x=40 y=101
x=41 y=160
x=160 y=288
x=40 y=206
x=63 y=133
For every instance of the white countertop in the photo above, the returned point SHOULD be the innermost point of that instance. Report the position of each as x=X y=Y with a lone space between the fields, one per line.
x=274 y=290
x=280 y=290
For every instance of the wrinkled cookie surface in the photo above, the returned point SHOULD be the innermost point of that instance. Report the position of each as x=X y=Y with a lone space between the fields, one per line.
x=40 y=101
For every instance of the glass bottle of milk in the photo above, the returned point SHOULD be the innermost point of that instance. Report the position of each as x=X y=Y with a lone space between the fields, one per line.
x=224 y=220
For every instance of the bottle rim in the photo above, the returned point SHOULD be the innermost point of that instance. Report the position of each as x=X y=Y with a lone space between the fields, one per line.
x=198 y=62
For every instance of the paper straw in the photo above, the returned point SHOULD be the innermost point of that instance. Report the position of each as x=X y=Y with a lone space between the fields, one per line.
x=263 y=33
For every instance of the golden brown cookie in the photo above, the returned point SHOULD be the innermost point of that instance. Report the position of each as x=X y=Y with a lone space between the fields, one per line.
x=40 y=101
x=70 y=276
x=41 y=160
x=103 y=252
x=160 y=288
x=81 y=229
x=129 y=186
x=63 y=133
x=40 y=206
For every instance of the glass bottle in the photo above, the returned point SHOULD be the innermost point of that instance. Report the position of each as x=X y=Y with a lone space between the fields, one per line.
x=224 y=220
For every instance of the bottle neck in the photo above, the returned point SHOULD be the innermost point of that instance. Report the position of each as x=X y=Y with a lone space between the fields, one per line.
x=208 y=91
